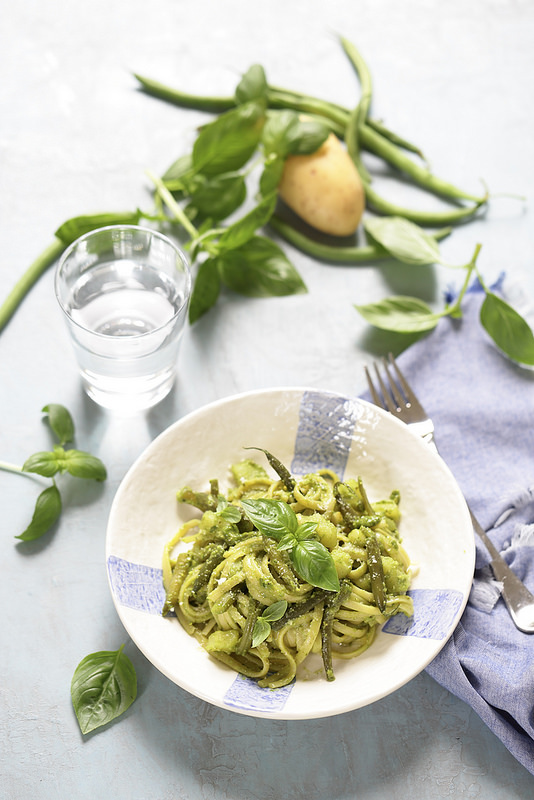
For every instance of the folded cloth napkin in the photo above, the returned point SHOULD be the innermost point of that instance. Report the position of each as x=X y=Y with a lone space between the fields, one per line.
x=482 y=405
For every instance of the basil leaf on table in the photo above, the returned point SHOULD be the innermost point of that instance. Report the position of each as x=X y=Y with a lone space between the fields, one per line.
x=285 y=133
x=252 y=86
x=271 y=174
x=47 y=511
x=220 y=196
x=404 y=240
x=227 y=143
x=84 y=465
x=244 y=229
x=205 y=290
x=43 y=463
x=508 y=329
x=60 y=421
x=103 y=687
x=400 y=314
x=260 y=268
x=77 y=226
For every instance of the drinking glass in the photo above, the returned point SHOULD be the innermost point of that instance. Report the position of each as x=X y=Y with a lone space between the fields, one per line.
x=124 y=292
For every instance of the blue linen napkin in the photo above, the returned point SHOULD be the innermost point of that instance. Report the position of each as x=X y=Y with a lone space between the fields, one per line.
x=483 y=409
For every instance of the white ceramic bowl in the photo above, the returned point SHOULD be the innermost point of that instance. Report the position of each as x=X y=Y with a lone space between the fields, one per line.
x=306 y=429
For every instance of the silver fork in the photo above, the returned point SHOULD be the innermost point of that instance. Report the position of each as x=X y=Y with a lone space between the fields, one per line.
x=398 y=398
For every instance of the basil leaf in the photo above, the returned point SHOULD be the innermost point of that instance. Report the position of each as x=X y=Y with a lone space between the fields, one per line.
x=306 y=137
x=271 y=517
x=287 y=542
x=205 y=290
x=286 y=134
x=46 y=513
x=43 y=463
x=60 y=421
x=252 y=86
x=315 y=565
x=404 y=240
x=271 y=175
x=244 y=229
x=259 y=268
x=276 y=132
x=275 y=611
x=401 y=314
x=220 y=196
x=227 y=143
x=260 y=631
x=508 y=329
x=84 y=465
x=230 y=513
x=103 y=686
x=305 y=530
x=77 y=226
x=179 y=169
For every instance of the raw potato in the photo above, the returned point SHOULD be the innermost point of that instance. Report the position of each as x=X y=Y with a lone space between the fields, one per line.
x=324 y=188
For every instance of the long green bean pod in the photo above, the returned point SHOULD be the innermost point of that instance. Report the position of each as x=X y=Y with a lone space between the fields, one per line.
x=379 y=145
x=246 y=637
x=379 y=204
x=212 y=104
x=332 y=605
x=376 y=570
x=394 y=138
x=27 y=281
x=343 y=254
x=181 y=568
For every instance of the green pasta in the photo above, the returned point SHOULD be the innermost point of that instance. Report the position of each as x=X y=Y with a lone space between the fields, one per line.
x=241 y=593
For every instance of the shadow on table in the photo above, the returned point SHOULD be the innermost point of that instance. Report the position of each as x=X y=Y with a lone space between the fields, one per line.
x=419 y=742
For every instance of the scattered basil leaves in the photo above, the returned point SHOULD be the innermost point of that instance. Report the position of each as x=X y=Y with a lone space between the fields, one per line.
x=48 y=463
x=103 y=687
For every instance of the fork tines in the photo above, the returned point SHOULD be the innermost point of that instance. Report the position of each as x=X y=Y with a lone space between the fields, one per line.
x=392 y=397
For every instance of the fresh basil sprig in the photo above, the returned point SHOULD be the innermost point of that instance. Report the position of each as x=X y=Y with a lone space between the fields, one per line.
x=408 y=243
x=311 y=559
x=103 y=687
x=48 y=464
x=262 y=626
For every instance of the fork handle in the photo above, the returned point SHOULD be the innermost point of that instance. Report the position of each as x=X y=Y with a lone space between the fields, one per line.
x=519 y=600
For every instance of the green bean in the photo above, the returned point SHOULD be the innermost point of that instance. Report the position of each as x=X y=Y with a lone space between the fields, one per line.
x=332 y=605
x=349 y=514
x=367 y=521
x=376 y=570
x=344 y=254
x=181 y=568
x=204 y=501
x=363 y=494
x=359 y=116
x=281 y=563
x=199 y=102
x=394 y=138
x=381 y=146
x=296 y=610
x=245 y=642
x=379 y=204
x=281 y=470
x=215 y=556
x=30 y=277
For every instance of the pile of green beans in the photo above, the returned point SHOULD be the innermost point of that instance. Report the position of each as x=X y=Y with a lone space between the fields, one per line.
x=360 y=132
